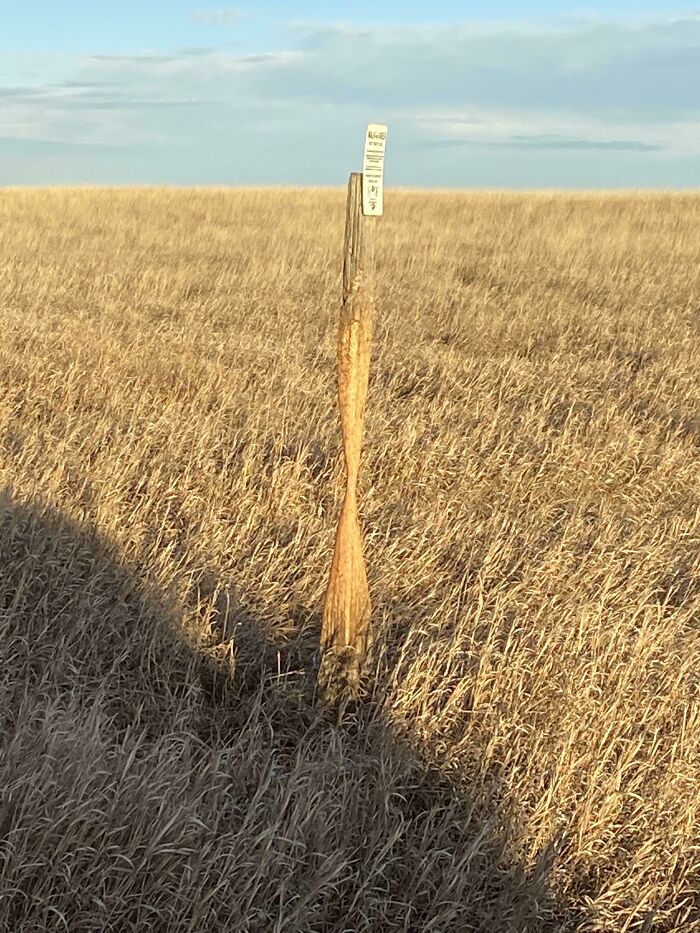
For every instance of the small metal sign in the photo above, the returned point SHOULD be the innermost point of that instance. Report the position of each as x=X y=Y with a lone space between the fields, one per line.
x=373 y=170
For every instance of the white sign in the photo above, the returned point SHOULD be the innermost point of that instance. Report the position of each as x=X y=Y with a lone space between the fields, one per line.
x=373 y=170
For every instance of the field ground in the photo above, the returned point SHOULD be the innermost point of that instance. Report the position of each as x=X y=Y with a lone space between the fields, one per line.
x=528 y=757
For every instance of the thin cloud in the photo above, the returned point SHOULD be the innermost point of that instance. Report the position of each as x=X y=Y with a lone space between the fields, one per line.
x=137 y=59
x=544 y=141
x=562 y=142
x=225 y=16
x=49 y=147
x=190 y=51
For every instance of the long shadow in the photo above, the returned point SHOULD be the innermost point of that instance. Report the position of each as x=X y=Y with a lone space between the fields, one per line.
x=146 y=785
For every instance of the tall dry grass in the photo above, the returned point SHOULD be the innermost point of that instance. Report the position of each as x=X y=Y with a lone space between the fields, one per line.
x=529 y=754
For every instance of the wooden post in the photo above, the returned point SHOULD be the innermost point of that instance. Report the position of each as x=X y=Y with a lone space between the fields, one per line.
x=346 y=635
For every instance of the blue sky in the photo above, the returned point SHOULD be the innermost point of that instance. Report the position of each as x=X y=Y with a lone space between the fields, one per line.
x=476 y=94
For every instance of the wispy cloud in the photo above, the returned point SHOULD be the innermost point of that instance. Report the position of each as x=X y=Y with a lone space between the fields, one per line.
x=545 y=141
x=224 y=16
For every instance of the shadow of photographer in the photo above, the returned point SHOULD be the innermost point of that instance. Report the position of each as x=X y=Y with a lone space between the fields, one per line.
x=147 y=785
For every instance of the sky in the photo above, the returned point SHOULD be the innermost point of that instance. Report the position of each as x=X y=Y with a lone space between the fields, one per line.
x=476 y=93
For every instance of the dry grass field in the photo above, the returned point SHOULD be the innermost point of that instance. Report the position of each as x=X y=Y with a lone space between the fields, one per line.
x=528 y=754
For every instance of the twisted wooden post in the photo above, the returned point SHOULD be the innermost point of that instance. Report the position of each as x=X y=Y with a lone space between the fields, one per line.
x=346 y=636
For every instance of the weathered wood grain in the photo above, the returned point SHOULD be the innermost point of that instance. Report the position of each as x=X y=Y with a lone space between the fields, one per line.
x=346 y=634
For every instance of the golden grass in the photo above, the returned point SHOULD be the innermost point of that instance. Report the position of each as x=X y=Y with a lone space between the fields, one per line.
x=529 y=756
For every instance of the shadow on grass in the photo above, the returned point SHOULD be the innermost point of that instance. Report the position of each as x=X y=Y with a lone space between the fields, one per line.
x=144 y=786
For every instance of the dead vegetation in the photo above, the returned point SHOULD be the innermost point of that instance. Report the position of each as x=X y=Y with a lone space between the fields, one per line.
x=528 y=757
